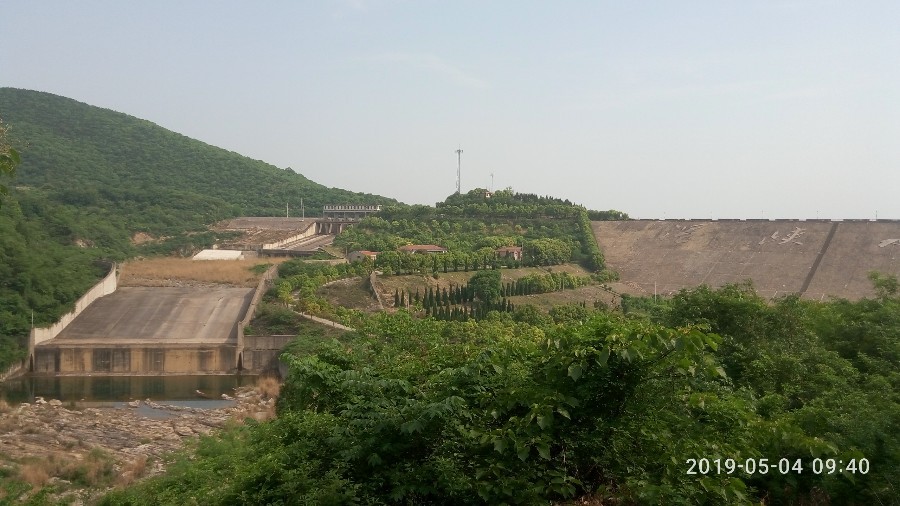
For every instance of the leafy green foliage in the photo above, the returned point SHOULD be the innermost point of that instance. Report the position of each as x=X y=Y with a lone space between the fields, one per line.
x=47 y=284
x=524 y=409
x=473 y=225
x=546 y=283
x=143 y=177
x=298 y=281
x=486 y=286
x=421 y=411
x=885 y=286
x=830 y=370
x=9 y=159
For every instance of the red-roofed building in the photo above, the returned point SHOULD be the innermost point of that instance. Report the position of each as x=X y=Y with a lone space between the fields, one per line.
x=514 y=252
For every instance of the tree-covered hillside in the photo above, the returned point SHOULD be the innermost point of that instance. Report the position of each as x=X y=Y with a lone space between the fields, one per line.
x=142 y=176
x=91 y=178
x=472 y=225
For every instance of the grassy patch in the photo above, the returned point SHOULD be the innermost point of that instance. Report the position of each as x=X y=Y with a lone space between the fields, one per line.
x=311 y=335
x=96 y=469
x=268 y=387
x=132 y=470
x=587 y=294
x=273 y=320
x=163 y=271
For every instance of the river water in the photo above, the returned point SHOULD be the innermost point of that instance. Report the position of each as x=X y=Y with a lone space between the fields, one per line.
x=94 y=389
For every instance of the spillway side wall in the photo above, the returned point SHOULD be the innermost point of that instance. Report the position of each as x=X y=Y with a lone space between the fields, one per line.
x=261 y=288
x=106 y=286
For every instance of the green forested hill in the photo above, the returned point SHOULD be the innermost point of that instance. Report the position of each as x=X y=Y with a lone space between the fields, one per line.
x=91 y=178
x=141 y=175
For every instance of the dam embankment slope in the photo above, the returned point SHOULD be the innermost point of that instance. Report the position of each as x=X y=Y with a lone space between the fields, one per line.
x=815 y=258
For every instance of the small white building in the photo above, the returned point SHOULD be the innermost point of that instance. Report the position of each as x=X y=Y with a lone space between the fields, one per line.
x=219 y=254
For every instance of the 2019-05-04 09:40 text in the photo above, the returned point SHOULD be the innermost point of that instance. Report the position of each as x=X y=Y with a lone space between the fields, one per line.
x=705 y=466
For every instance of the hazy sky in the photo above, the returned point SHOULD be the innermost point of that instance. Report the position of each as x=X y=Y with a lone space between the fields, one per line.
x=670 y=109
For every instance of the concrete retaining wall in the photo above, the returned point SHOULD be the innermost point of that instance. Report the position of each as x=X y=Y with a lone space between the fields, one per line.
x=261 y=352
x=310 y=231
x=376 y=287
x=137 y=360
x=261 y=288
x=13 y=370
x=106 y=286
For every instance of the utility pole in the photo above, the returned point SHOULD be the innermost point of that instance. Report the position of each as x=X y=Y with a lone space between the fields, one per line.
x=492 y=182
x=287 y=210
x=302 y=210
x=458 y=167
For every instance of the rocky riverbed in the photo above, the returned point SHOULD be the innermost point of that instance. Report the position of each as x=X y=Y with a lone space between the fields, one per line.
x=73 y=449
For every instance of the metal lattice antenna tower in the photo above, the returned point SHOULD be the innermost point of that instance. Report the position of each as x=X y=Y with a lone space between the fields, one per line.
x=458 y=167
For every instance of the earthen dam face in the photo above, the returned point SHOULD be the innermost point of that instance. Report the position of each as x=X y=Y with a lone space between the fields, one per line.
x=814 y=258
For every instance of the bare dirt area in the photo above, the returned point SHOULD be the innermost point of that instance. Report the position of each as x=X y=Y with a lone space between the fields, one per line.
x=351 y=292
x=143 y=238
x=590 y=295
x=83 y=452
x=184 y=272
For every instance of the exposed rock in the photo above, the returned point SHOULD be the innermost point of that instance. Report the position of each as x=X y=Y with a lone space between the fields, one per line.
x=182 y=430
x=36 y=431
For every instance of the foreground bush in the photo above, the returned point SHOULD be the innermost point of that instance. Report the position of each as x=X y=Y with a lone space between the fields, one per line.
x=419 y=411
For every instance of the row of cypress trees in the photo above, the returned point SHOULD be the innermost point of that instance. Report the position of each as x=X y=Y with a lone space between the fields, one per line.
x=434 y=297
x=463 y=294
x=457 y=303
x=474 y=311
